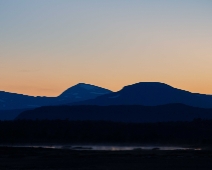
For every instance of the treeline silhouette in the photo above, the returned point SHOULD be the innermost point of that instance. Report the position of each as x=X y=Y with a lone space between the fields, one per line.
x=196 y=132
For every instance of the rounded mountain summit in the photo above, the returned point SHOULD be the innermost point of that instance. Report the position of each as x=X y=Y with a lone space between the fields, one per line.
x=82 y=91
x=151 y=94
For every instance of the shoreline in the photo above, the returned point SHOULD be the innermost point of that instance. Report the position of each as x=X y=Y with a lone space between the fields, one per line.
x=46 y=158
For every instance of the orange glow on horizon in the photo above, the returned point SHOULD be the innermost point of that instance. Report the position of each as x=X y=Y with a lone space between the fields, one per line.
x=56 y=90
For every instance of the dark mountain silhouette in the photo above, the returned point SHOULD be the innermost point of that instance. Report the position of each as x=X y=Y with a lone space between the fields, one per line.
x=9 y=101
x=76 y=93
x=150 y=94
x=79 y=92
x=119 y=113
x=145 y=93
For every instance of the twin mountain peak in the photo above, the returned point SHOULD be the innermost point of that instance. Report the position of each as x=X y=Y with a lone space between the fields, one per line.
x=143 y=93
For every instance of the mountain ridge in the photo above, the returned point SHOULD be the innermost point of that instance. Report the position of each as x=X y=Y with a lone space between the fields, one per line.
x=12 y=100
x=118 y=113
x=150 y=94
x=141 y=93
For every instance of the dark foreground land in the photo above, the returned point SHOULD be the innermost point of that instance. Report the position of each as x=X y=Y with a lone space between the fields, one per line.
x=40 y=158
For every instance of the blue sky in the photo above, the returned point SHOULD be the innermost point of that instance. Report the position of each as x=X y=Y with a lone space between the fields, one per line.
x=49 y=45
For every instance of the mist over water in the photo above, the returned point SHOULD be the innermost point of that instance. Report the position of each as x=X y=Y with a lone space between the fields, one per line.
x=108 y=147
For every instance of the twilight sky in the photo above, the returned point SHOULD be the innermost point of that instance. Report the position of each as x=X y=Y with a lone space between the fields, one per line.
x=47 y=46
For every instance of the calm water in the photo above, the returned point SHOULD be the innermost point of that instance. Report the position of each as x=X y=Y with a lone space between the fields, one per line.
x=107 y=148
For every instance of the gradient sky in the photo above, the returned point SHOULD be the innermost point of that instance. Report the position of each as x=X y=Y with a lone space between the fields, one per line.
x=47 y=46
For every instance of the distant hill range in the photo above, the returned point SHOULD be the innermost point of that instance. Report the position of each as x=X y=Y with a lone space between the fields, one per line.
x=118 y=113
x=150 y=94
x=144 y=93
x=12 y=104
x=75 y=93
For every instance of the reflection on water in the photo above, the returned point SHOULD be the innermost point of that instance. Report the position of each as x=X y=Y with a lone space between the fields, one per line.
x=108 y=148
